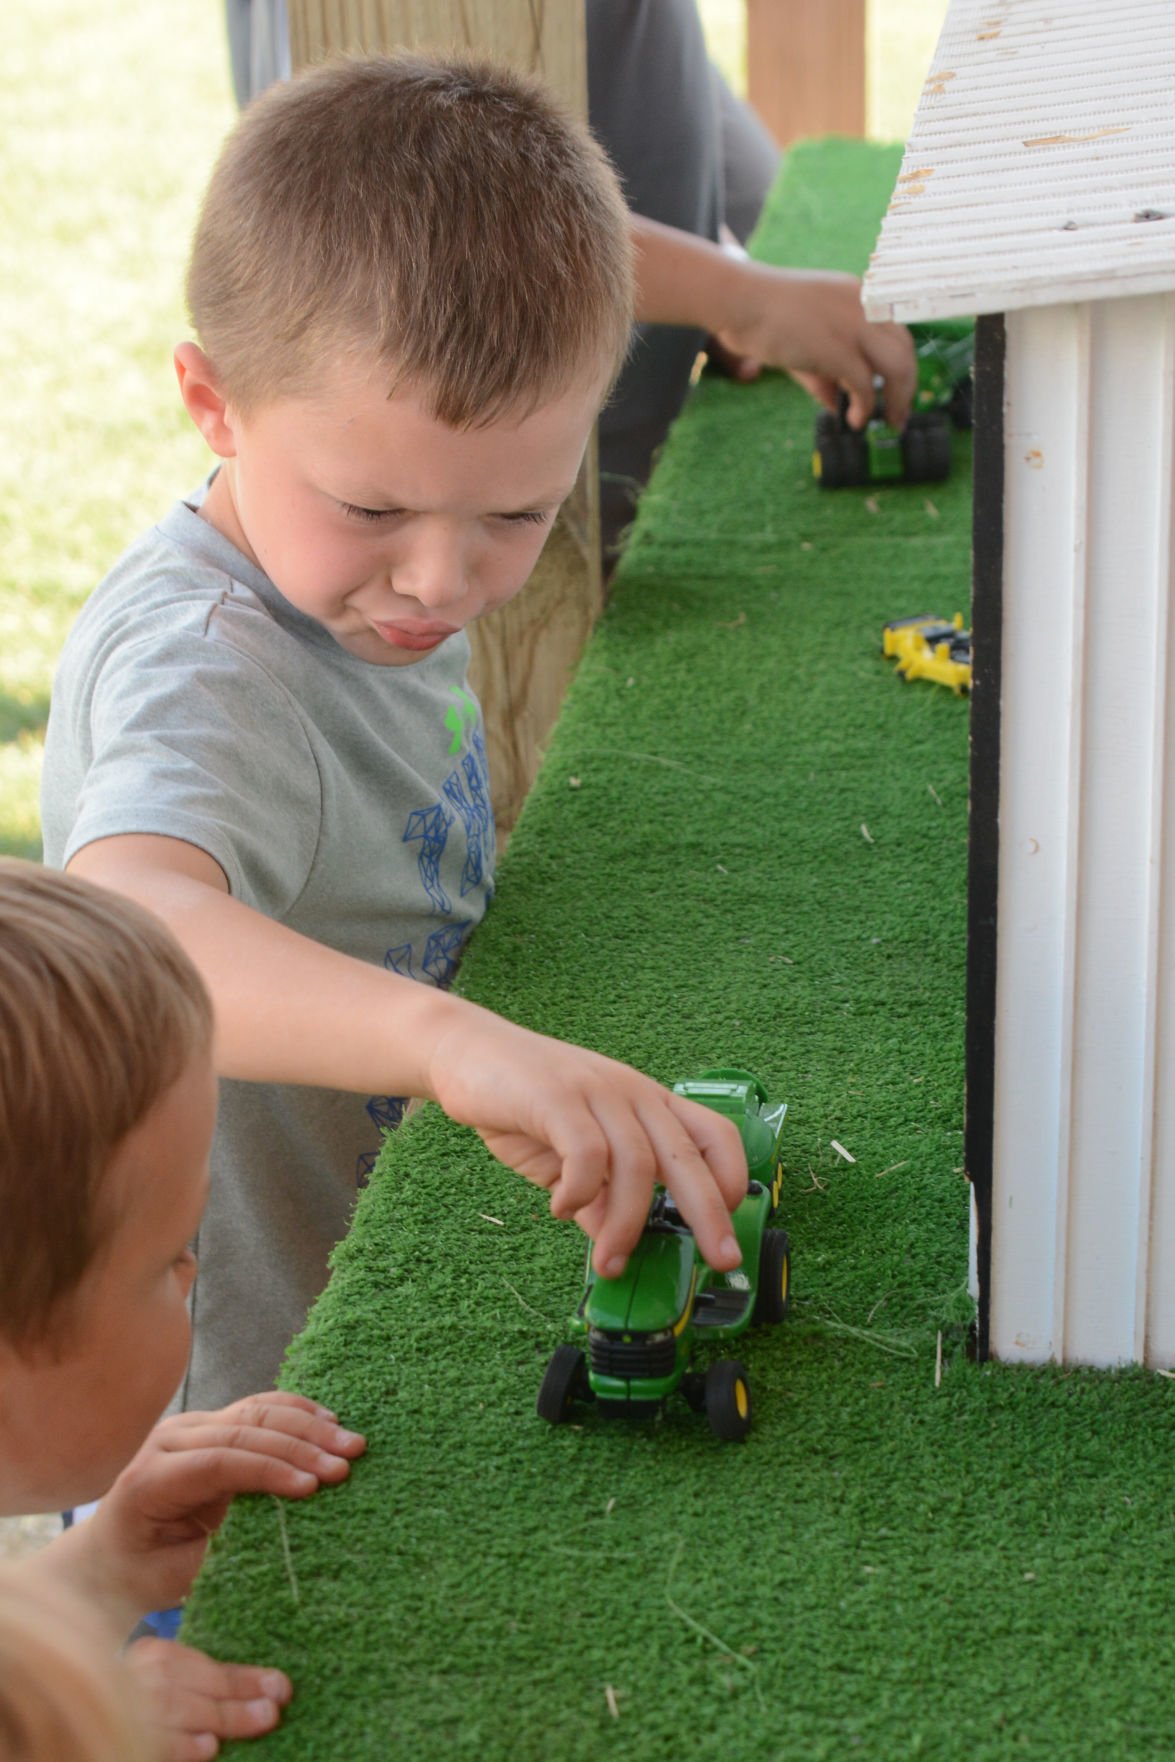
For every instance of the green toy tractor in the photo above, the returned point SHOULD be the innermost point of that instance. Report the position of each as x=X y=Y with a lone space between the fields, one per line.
x=641 y=1332
x=920 y=452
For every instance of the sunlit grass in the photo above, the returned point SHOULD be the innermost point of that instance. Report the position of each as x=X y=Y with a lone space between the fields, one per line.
x=112 y=117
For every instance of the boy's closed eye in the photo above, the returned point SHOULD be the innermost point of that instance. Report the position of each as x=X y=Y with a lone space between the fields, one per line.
x=528 y=516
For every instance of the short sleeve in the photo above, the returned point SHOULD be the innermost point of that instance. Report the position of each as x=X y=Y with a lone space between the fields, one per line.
x=191 y=739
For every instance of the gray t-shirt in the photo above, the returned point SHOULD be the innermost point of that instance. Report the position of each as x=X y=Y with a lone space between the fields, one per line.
x=346 y=800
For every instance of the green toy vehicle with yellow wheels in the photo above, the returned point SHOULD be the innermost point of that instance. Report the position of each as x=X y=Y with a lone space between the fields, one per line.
x=920 y=452
x=641 y=1332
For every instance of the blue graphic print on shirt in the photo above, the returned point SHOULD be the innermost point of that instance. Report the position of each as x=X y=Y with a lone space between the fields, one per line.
x=465 y=797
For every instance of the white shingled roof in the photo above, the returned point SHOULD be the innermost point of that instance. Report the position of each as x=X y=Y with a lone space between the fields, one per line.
x=1041 y=167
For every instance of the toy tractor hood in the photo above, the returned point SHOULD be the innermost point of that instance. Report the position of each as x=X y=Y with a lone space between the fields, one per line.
x=653 y=1292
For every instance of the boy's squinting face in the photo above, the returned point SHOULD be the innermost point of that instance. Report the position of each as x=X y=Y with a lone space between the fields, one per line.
x=71 y=1417
x=388 y=527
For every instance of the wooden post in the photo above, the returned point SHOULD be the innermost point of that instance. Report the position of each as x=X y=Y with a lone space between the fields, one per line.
x=524 y=654
x=806 y=66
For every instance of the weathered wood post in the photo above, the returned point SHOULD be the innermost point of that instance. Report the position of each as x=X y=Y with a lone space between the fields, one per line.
x=524 y=654
x=806 y=66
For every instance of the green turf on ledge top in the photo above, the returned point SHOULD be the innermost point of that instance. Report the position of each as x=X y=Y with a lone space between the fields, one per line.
x=747 y=845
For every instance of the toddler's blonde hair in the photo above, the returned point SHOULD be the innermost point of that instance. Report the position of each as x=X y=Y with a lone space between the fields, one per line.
x=100 y=1013
x=444 y=220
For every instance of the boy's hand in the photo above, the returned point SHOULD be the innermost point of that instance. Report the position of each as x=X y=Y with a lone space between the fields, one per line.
x=191 y=1702
x=812 y=324
x=147 y=1539
x=596 y=1133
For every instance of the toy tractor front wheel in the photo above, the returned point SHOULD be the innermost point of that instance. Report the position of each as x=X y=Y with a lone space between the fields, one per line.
x=728 y=1400
x=565 y=1378
x=774 y=1293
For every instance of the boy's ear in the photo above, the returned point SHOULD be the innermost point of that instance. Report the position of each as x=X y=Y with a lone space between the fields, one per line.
x=203 y=399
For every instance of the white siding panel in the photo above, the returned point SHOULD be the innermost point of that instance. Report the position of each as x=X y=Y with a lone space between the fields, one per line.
x=1114 y=981
x=1044 y=563
x=1157 y=1226
x=1083 y=1209
x=1041 y=167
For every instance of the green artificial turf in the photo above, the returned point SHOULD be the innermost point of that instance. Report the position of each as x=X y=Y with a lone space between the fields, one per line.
x=747 y=845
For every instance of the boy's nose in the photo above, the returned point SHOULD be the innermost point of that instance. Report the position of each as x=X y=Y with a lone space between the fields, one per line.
x=432 y=570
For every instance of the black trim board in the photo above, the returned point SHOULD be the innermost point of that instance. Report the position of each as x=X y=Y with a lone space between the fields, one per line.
x=987 y=565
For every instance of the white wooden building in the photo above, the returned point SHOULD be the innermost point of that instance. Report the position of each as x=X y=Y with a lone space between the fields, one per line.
x=1038 y=189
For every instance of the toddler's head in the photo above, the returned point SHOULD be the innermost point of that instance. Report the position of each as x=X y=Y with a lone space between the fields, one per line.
x=446 y=222
x=411 y=282
x=107 y=1101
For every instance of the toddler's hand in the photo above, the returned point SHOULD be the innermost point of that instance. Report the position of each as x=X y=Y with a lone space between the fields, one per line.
x=149 y=1534
x=191 y=1702
x=595 y=1132
x=811 y=323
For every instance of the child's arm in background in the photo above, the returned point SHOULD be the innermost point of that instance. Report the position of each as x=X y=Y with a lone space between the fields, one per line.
x=146 y=1541
x=809 y=322
x=288 y=1010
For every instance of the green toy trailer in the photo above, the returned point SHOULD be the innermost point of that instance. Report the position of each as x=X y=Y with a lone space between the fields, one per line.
x=640 y=1331
x=920 y=452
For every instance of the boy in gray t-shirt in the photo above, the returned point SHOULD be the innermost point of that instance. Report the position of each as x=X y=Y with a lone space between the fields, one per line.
x=411 y=287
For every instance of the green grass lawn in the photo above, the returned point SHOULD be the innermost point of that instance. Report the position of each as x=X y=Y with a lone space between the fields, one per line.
x=112 y=119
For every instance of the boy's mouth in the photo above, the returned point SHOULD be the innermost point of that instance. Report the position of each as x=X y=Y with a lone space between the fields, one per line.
x=417 y=637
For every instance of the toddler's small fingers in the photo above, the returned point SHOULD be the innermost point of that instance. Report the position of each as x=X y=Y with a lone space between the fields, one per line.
x=193 y=1701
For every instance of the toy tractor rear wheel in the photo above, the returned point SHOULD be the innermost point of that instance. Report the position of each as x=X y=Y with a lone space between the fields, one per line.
x=926 y=449
x=693 y=1387
x=728 y=1400
x=565 y=1378
x=774 y=1293
x=961 y=408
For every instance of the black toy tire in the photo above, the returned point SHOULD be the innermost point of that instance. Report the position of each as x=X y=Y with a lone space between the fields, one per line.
x=961 y=408
x=563 y=1380
x=774 y=1294
x=693 y=1388
x=844 y=459
x=728 y=1400
x=926 y=450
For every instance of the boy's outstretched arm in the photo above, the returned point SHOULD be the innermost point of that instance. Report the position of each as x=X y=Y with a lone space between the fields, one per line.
x=288 y=1010
x=809 y=322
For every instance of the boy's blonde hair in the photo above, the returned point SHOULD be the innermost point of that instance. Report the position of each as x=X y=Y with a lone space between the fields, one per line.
x=445 y=219
x=64 y=1693
x=100 y=1012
